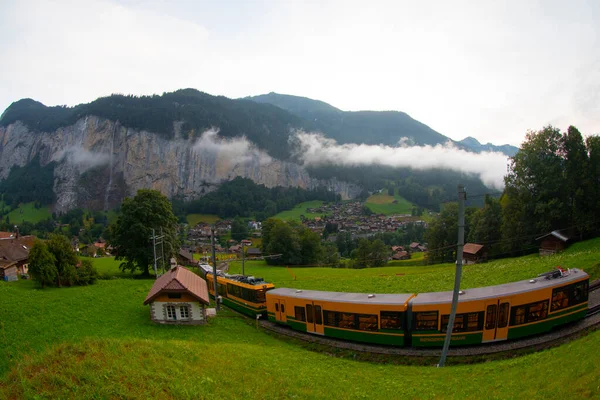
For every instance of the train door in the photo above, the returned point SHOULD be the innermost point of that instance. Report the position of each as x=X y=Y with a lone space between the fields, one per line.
x=496 y=320
x=314 y=317
x=280 y=311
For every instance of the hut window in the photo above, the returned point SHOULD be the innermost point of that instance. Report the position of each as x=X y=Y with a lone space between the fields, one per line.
x=184 y=312
x=171 y=313
x=174 y=295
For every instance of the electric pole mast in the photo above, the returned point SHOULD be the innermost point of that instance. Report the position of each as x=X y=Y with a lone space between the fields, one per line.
x=462 y=196
x=214 y=257
x=154 y=243
x=243 y=258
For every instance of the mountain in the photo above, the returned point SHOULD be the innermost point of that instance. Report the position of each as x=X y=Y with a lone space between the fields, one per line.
x=369 y=127
x=474 y=145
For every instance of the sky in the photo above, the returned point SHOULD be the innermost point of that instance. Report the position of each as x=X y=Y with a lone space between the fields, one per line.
x=487 y=69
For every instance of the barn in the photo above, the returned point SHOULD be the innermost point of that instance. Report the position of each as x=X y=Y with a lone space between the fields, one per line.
x=474 y=253
x=8 y=270
x=552 y=242
x=178 y=297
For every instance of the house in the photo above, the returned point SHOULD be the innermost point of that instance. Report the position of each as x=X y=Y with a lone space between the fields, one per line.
x=8 y=271
x=235 y=249
x=553 y=242
x=6 y=235
x=397 y=248
x=414 y=246
x=16 y=250
x=253 y=252
x=401 y=255
x=474 y=253
x=184 y=257
x=178 y=297
x=246 y=242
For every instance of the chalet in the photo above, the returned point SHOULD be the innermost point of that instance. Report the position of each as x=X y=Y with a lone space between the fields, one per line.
x=397 y=249
x=7 y=235
x=235 y=249
x=553 y=242
x=414 y=246
x=246 y=242
x=474 y=253
x=8 y=270
x=184 y=257
x=253 y=252
x=178 y=297
x=401 y=255
x=16 y=250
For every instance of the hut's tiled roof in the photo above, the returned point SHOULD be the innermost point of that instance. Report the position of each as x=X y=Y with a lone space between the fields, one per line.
x=180 y=279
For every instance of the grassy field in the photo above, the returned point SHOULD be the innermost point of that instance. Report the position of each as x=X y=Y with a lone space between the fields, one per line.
x=195 y=219
x=98 y=342
x=397 y=279
x=300 y=209
x=28 y=212
x=384 y=204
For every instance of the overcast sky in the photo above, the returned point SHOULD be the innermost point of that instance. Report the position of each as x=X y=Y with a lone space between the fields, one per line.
x=491 y=70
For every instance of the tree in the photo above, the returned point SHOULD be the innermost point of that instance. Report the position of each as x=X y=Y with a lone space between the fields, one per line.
x=131 y=234
x=485 y=223
x=42 y=264
x=239 y=230
x=65 y=257
x=311 y=251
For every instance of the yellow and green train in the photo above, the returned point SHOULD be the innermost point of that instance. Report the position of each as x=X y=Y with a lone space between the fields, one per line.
x=486 y=314
x=245 y=294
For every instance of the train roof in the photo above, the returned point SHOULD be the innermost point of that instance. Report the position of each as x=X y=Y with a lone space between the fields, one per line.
x=500 y=290
x=244 y=279
x=341 y=297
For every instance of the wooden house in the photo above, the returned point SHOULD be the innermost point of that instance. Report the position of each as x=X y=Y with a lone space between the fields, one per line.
x=474 y=253
x=184 y=257
x=401 y=255
x=253 y=252
x=552 y=242
x=8 y=271
x=16 y=250
x=178 y=297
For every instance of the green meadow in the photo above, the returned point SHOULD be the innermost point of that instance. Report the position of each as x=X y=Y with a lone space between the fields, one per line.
x=28 y=212
x=98 y=342
x=195 y=219
x=300 y=209
x=384 y=204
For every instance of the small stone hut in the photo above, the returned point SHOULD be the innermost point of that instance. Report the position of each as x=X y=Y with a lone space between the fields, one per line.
x=178 y=297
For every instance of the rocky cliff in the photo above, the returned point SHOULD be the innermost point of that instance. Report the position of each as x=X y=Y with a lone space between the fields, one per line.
x=100 y=162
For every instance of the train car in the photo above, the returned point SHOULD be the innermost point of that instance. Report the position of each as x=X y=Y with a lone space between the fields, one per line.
x=245 y=294
x=486 y=314
x=501 y=312
x=372 y=318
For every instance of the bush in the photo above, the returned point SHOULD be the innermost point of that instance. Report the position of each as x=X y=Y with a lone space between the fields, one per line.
x=86 y=274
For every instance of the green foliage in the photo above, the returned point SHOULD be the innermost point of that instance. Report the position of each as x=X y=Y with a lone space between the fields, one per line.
x=300 y=209
x=296 y=244
x=42 y=264
x=370 y=254
x=65 y=259
x=86 y=274
x=29 y=183
x=239 y=230
x=241 y=197
x=130 y=234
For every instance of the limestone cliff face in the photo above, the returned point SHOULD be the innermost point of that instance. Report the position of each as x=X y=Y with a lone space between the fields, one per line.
x=99 y=162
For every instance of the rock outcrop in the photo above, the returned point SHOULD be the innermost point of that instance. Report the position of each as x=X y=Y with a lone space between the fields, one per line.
x=100 y=162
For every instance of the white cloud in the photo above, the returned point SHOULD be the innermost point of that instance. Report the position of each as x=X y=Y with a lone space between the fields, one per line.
x=83 y=158
x=315 y=149
x=237 y=149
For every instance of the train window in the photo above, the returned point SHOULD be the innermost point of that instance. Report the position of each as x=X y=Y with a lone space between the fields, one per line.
x=425 y=321
x=503 y=315
x=282 y=308
x=277 y=307
x=260 y=296
x=318 y=316
x=391 y=320
x=560 y=298
x=529 y=313
x=222 y=290
x=490 y=320
x=299 y=314
x=347 y=320
x=309 y=313
x=467 y=322
x=580 y=292
x=331 y=318
x=367 y=322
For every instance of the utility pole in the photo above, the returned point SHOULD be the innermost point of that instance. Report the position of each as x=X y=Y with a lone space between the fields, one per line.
x=214 y=257
x=462 y=196
x=154 y=237
x=162 y=250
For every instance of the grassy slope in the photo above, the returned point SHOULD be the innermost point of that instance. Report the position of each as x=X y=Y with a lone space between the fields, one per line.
x=98 y=342
x=426 y=278
x=30 y=214
x=383 y=204
x=300 y=209
x=195 y=219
